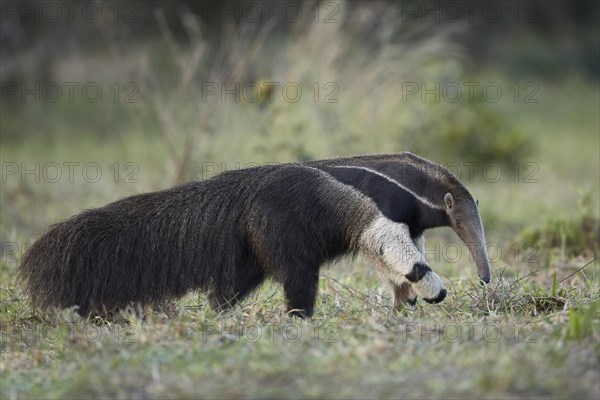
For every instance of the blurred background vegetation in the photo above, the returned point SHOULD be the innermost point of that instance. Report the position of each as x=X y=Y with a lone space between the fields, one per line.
x=368 y=73
x=376 y=77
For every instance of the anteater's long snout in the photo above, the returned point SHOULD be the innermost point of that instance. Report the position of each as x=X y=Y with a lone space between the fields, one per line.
x=474 y=237
x=478 y=248
x=482 y=261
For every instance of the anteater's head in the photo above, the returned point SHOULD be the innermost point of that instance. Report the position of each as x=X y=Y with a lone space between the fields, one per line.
x=463 y=212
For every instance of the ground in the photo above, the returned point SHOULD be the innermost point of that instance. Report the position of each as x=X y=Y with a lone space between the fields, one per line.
x=533 y=332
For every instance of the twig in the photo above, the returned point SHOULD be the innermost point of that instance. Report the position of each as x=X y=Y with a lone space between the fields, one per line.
x=577 y=271
x=520 y=279
x=353 y=291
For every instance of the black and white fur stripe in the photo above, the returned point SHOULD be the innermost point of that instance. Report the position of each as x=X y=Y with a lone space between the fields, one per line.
x=399 y=260
x=229 y=233
x=422 y=194
x=400 y=204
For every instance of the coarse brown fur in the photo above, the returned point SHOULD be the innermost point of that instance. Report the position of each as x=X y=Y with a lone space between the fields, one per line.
x=226 y=234
x=229 y=233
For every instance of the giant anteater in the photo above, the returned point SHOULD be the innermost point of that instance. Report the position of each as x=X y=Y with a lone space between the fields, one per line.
x=229 y=233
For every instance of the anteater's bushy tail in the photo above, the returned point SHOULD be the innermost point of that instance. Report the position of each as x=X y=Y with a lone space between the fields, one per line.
x=141 y=249
x=226 y=234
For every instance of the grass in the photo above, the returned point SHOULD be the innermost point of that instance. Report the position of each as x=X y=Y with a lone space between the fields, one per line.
x=513 y=338
x=533 y=332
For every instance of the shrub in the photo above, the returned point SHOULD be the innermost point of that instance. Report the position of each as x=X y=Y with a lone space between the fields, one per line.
x=573 y=236
x=473 y=130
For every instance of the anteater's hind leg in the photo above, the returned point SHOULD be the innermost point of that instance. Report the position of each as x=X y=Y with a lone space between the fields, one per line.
x=246 y=281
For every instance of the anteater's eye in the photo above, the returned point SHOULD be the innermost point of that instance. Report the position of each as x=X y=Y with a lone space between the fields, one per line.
x=477 y=202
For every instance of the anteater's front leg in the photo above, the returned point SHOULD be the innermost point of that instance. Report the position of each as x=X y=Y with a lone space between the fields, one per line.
x=404 y=294
x=400 y=261
x=300 y=286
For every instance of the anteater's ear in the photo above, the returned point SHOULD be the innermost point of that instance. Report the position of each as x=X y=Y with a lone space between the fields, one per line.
x=449 y=201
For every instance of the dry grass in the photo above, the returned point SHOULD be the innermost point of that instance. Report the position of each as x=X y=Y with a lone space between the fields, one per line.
x=533 y=332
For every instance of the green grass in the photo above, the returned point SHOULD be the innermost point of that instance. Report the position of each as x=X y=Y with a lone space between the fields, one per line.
x=534 y=332
x=514 y=338
x=356 y=346
x=526 y=335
